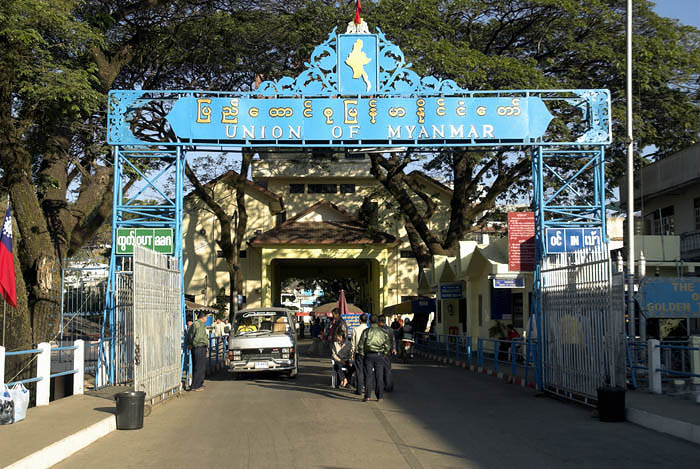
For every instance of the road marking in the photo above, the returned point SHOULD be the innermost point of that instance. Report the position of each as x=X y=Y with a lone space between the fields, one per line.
x=405 y=451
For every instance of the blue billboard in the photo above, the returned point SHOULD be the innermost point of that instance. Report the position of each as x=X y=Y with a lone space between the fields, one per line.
x=669 y=297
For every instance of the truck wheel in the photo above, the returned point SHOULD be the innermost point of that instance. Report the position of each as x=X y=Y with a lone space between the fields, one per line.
x=235 y=375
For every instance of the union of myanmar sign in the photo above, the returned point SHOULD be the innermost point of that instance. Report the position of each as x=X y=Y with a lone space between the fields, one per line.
x=357 y=91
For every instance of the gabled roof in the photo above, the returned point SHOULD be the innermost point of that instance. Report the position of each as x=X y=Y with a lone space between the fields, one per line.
x=276 y=201
x=429 y=180
x=322 y=223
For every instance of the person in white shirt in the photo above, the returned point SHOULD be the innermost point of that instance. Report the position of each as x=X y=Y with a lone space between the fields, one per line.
x=219 y=328
x=359 y=363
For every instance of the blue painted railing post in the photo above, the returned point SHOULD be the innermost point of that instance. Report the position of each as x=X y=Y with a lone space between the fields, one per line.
x=495 y=355
x=469 y=350
x=480 y=351
x=514 y=356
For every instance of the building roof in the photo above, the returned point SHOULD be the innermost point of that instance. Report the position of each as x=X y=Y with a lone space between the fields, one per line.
x=668 y=175
x=322 y=223
x=276 y=200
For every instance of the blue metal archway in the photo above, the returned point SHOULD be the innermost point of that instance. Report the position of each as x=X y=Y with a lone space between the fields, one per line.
x=358 y=91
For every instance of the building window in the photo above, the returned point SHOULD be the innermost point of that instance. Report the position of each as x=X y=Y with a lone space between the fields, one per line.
x=296 y=188
x=407 y=254
x=347 y=188
x=481 y=311
x=241 y=254
x=696 y=207
x=323 y=188
x=664 y=221
x=517 y=309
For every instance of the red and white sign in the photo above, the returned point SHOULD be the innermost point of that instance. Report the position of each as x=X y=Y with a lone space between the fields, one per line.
x=521 y=241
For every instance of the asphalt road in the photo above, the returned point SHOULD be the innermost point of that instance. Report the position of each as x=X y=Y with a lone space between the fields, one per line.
x=438 y=417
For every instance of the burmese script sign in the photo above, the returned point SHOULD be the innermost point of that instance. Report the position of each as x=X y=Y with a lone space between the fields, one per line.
x=670 y=297
x=521 y=241
x=156 y=239
x=360 y=118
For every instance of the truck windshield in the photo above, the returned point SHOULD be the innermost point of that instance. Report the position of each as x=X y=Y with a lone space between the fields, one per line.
x=260 y=322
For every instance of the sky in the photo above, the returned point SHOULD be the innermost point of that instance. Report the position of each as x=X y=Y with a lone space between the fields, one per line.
x=688 y=11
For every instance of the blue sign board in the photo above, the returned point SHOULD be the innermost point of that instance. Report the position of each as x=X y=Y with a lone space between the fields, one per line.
x=670 y=297
x=517 y=282
x=450 y=291
x=572 y=239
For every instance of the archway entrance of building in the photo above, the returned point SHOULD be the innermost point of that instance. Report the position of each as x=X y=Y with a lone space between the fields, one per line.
x=362 y=274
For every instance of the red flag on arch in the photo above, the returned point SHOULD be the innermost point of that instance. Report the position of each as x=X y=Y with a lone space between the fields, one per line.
x=7 y=263
x=358 y=10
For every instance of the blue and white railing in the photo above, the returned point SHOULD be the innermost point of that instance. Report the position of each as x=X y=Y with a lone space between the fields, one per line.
x=42 y=356
x=496 y=354
x=218 y=350
x=654 y=363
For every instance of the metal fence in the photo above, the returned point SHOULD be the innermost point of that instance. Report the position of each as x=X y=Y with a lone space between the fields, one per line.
x=157 y=323
x=583 y=324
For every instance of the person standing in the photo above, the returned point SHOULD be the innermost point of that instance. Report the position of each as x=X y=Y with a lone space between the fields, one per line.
x=359 y=363
x=388 y=378
x=218 y=328
x=374 y=345
x=197 y=343
x=337 y=325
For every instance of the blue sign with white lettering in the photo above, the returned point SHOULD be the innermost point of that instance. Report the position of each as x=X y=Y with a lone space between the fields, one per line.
x=518 y=282
x=572 y=239
x=669 y=297
x=450 y=291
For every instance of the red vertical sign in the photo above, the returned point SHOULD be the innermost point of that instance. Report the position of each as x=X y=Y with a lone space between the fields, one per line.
x=521 y=241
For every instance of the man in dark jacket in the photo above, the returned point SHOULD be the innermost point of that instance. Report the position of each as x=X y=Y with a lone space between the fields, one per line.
x=388 y=379
x=197 y=340
x=374 y=346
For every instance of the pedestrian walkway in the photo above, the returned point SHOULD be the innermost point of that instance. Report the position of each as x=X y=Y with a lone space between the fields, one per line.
x=672 y=415
x=52 y=433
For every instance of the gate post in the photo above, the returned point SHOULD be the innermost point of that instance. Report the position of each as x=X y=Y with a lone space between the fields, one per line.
x=79 y=364
x=653 y=364
x=43 y=371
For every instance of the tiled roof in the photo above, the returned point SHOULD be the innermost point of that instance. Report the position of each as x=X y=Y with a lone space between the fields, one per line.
x=322 y=232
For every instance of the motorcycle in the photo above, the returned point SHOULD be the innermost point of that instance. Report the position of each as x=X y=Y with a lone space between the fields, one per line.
x=407 y=343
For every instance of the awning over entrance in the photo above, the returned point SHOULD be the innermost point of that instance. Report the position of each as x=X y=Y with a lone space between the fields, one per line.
x=419 y=306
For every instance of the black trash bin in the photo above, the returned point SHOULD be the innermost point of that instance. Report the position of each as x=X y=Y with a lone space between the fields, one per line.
x=130 y=410
x=611 y=404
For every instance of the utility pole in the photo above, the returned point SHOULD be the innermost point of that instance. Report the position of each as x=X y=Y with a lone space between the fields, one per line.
x=630 y=181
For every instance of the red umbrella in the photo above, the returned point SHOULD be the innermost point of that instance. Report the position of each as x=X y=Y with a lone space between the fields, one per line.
x=342 y=304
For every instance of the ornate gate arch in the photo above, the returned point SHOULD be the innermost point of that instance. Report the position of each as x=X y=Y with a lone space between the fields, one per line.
x=359 y=91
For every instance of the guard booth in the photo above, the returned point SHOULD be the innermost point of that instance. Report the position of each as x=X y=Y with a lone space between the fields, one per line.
x=359 y=91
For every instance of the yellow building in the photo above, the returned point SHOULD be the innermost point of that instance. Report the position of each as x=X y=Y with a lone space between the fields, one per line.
x=475 y=289
x=304 y=221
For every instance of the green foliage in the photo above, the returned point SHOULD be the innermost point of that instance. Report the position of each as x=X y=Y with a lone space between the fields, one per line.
x=221 y=304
